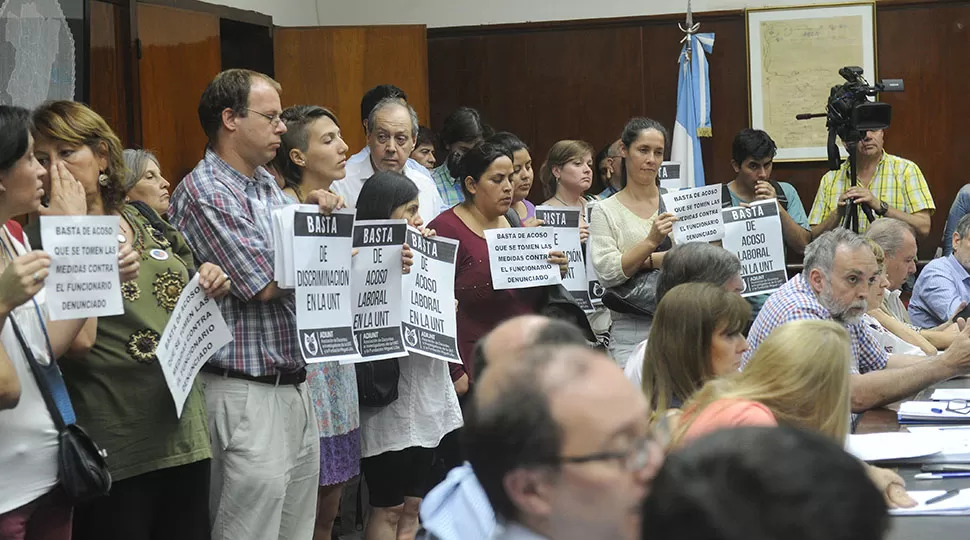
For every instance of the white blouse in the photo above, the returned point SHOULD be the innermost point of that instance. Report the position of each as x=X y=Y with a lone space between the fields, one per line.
x=613 y=230
x=28 y=438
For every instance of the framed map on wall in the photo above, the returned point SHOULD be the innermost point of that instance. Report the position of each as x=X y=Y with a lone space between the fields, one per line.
x=794 y=57
x=43 y=51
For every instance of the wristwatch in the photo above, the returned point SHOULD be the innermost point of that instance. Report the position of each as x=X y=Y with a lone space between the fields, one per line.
x=883 y=208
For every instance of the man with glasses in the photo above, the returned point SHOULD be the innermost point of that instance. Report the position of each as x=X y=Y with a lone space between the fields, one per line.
x=611 y=170
x=265 y=454
x=392 y=128
x=561 y=444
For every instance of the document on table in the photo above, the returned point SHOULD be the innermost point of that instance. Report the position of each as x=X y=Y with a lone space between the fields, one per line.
x=892 y=446
x=954 y=506
x=946 y=394
x=929 y=412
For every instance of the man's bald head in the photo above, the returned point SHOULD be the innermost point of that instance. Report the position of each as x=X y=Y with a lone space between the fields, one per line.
x=510 y=338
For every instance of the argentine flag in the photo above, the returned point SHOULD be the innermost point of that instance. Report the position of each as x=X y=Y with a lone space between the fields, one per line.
x=693 y=110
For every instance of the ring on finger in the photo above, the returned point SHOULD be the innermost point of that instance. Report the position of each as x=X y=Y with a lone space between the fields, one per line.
x=36 y=276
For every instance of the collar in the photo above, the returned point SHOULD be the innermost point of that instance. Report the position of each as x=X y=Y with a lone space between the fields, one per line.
x=260 y=175
x=957 y=267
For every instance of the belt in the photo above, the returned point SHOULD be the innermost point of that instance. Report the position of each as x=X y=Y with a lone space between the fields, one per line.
x=295 y=377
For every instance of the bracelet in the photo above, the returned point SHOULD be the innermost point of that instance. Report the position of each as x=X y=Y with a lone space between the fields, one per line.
x=649 y=262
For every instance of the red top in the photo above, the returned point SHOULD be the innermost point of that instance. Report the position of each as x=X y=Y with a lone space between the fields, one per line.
x=480 y=308
x=15 y=230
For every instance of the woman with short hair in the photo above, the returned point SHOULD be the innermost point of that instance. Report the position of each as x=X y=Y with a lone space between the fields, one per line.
x=144 y=181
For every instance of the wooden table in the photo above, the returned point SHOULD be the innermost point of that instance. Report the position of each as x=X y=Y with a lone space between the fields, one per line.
x=920 y=527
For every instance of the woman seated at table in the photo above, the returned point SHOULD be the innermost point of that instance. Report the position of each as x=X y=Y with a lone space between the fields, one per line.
x=628 y=233
x=894 y=335
x=522 y=175
x=696 y=336
x=398 y=440
x=112 y=373
x=144 y=181
x=798 y=376
x=486 y=179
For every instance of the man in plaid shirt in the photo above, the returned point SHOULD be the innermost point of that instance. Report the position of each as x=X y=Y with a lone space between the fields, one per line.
x=888 y=185
x=840 y=267
x=265 y=444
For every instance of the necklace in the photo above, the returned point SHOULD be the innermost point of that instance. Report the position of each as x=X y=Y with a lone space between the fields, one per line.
x=582 y=202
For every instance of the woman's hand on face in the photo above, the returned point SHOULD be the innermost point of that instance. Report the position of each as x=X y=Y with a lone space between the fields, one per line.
x=407 y=259
x=215 y=283
x=66 y=197
x=662 y=226
x=22 y=279
x=558 y=258
x=128 y=263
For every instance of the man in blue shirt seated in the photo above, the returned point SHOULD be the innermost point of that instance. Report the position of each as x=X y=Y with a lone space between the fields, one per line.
x=752 y=155
x=959 y=208
x=944 y=285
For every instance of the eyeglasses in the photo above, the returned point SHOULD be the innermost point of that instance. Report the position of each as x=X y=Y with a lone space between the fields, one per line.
x=959 y=406
x=635 y=458
x=274 y=119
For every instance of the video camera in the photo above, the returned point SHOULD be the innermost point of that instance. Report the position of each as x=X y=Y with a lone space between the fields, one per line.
x=850 y=114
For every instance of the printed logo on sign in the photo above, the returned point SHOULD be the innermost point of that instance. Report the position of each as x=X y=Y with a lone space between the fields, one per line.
x=598 y=290
x=310 y=343
x=411 y=336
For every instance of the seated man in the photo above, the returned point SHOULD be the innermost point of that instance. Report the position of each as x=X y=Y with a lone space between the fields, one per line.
x=942 y=289
x=560 y=442
x=798 y=486
x=959 y=208
x=840 y=268
x=391 y=130
x=887 y=185
x=457 y=508
x=898 y=242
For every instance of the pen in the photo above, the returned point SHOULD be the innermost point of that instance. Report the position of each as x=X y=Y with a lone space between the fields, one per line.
x=941 y=475
x=939 y=498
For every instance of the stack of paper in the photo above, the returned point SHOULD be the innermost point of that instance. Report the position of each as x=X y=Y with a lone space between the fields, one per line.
x=893 y=446
x=958 y=505
x=946 y=394
x=282 y=220
x=929 y=412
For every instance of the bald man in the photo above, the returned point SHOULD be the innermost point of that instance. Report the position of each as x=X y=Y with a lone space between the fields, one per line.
x=560 y=442
x=457 y=509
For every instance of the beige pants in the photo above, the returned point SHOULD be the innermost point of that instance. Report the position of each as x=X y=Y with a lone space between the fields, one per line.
x=265 y=460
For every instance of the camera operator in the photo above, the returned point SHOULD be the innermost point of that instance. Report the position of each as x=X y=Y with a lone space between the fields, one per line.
x=887 y=185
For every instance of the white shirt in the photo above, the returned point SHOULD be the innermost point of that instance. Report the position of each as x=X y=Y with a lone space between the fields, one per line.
x=28 y=438
x=889 y=341
x=634 y=364
x=364 y=154
x=359 y=170
x=426 y=409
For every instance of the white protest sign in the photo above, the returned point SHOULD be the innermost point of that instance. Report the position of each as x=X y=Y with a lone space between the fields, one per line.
x=519 y=257
x=699 y=214
x=428 y=291
x=564 y=222
x=754 y=235
x=375 y=284
x=593 y=287
x=195 y=331
x=83 y=280
x=322 y=246
x=669 y=176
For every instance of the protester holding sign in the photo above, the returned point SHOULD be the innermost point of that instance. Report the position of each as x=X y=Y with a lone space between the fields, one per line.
x=566 y=175
x=30 y=498
x=398 y=440
x=628 y=233
x=486 y=172
x=118 y=389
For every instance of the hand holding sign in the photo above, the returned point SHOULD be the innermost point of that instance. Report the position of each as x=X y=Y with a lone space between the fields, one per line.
x=661 y=228
x=22 y=279
x=326 y=200
x=699 y=214
x=213 y=280
x=128 y=263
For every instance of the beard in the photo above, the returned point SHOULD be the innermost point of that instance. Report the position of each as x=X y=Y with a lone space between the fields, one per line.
x=847 y=313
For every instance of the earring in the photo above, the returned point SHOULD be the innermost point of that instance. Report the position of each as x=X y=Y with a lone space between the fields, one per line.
x=103 y=179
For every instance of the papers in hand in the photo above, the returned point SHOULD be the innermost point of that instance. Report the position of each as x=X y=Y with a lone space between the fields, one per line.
x=929 y=412
x=888 y=446
x=954 y=506
x=284 y=271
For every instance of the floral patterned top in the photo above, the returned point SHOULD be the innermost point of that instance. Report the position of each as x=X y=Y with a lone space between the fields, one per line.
x=118 y=390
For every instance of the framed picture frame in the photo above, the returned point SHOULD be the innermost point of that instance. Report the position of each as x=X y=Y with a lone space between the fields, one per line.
x=794 y=57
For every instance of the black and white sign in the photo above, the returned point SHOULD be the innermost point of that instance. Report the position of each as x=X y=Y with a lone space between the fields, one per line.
x=428 y=292
x=754 y=235
x=195 y=331
x=376 y=284
x=699 y=214
x=322 y=246
x=564 y=222
x=519 y=258
x=669 y=176
x=83 y=280
x=593 y=286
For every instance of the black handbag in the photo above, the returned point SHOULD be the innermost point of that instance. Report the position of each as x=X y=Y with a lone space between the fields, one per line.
x=81 y=465
x=637 y=296
x=377 y=382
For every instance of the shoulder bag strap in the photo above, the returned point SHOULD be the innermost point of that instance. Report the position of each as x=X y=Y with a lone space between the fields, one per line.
x=49 y=381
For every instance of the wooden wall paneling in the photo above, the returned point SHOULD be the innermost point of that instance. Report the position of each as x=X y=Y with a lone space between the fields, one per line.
x=180 y=55
x=926 y=46
x=334 y=66
x=110 y=71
